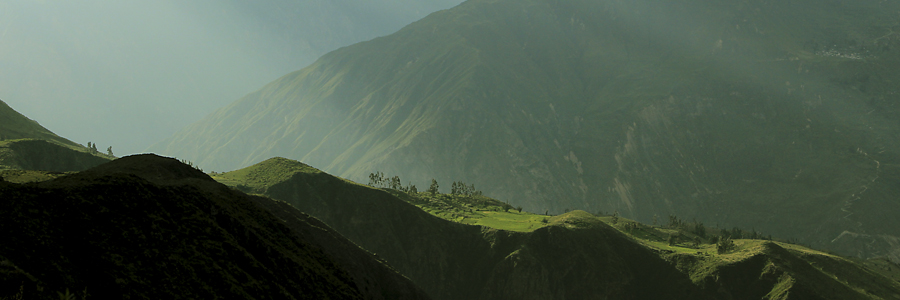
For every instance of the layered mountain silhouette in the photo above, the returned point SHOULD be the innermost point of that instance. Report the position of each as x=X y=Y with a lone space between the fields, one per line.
x=575 y=256
x=152 y=227
x=779 y=116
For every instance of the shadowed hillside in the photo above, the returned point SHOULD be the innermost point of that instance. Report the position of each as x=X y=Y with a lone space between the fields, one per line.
x=152 y=227
x=775 y=115
x=26 y=145
x=571 y=256
x=456 y=261
x=41 y=155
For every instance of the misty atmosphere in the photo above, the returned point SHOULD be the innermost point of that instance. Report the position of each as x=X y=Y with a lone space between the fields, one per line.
x=449 y=149
x=128 y=74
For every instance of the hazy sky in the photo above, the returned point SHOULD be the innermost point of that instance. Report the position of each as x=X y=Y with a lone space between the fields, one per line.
x=130 y=73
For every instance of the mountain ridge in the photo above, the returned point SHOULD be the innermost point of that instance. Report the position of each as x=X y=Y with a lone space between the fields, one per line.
x=574 y=255
x=17 y=126
x=147 y=226
x=743 y=114
x=26 y=145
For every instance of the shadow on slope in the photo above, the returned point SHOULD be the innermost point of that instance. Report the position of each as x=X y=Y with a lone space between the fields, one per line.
x=41 y=155
x=457 y=261
x=151 y=227
x=574 y=256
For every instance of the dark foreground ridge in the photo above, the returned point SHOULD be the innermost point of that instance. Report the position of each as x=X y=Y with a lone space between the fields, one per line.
x=152 y=228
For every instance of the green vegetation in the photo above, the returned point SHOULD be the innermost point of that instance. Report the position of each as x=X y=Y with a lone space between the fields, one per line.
x=447 y=241
x=26 y=145
x=14 y=126
x=700 y=252
x=267 y=173
x=42 y=155
x=25 y=176
x=148 y=227
x=474 y=210
x=772 y=115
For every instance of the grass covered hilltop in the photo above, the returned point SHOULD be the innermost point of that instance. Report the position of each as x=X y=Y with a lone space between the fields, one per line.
x=467 y=246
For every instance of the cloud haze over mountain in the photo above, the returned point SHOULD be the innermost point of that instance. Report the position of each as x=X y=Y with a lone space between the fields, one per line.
x=126 y=73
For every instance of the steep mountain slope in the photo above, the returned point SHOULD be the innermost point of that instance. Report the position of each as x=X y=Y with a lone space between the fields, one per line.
x=152 y=227
x=41 y=155
x=106 y=69
x=14 y=125
x=779 y=116
x=575 y=256
x=26 y=145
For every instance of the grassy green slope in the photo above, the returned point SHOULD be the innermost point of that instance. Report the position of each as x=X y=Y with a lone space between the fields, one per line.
x=26 y=145
x=458 y=261
x=43 y=155
x=780 y=116
x=152 y=227
x=520 y=255
x=16 y=126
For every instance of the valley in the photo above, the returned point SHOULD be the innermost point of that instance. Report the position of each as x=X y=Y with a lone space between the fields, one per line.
x=753 y=114
x=491 y=149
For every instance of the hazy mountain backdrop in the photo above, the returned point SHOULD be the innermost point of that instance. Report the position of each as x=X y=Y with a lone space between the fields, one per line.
x=128 y=74
x=774 y=115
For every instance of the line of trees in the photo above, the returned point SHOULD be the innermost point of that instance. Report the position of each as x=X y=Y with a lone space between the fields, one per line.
x=92 y=148
x=697 y=228
x=191 y=164
x=722 y=238
x=460 y=188
x=379 y=180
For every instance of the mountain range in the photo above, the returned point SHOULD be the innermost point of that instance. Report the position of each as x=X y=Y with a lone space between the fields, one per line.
x=152 y=227
x=147 y=226
x=735 y=121
x=778 y=116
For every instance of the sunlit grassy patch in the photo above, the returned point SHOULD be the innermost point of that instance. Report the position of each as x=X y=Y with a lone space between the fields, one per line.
x=264 y=174
x=25 y=176
x=512 y=221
